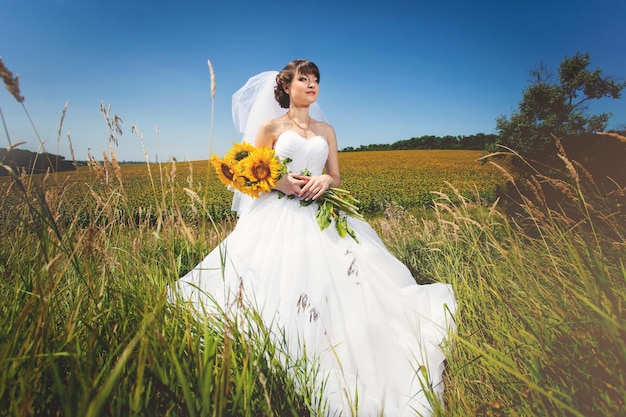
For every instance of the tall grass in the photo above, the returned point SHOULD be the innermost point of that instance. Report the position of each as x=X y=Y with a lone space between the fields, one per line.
x=541 y=318
x=87 y=329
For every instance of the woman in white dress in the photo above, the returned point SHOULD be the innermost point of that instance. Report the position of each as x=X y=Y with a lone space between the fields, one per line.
x=348 y=303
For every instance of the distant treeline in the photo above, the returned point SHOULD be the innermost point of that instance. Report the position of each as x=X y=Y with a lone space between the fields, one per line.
x=21 y=160
x=473 y=142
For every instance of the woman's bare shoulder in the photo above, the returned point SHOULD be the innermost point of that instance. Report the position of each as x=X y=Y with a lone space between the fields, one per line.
x=269 y=131
x=324 y=129
x=273 y=126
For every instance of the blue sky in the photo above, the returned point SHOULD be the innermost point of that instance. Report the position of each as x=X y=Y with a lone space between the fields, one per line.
x=389 y=70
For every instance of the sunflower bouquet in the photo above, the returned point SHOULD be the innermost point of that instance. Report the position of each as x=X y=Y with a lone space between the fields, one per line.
x=249 y=169
x=253 y=171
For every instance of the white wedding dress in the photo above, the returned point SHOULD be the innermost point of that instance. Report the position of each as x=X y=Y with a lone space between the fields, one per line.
x=352 y=305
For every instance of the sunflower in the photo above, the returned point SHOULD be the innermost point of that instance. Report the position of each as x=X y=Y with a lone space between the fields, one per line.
x=224 y=170
x=253 y=189
x=239 y=152
x=262 y=168
x=240 y=181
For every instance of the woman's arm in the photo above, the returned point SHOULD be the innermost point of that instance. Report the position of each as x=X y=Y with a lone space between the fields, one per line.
x=266 y=136
x=332 y=163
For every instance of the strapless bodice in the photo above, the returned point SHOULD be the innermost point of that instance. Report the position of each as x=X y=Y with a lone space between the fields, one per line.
x=305 y=154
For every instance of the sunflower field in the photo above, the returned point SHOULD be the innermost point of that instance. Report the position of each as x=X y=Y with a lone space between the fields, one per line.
x=408 y=178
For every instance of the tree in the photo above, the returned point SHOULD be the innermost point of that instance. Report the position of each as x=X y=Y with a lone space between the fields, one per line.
x=558 y=109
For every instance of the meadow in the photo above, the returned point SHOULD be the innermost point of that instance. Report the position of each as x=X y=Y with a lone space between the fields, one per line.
x=85 y=258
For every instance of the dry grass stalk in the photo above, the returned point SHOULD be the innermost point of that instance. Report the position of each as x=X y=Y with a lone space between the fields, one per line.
x=54 y=197
x=97 y=167
x=193 y=195
x=462 y=200
x=114 y=124
x=63 y=113
x=615 y=135
x=570 y=168
x=116 y=167
x=534 y=186
x=442 y=212
x=190 y=176
x=468 y=220
x=441 y=196
x=494 y=207
x=105 y=165
x=212 y=78
x=537 y=214
x=87 y=240
x=450 y=228
x=213 y=87
x=135 y=130
x=443 y=207
x=396 y=221
x=12 y=83
x=504 y=171
x=69 y=139
x=561 y=186
x=587 y=175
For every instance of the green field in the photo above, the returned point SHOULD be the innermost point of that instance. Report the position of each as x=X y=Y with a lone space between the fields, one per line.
x=86 y=330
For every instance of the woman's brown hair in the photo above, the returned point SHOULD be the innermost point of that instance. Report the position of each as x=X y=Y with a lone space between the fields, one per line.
x=285 y=77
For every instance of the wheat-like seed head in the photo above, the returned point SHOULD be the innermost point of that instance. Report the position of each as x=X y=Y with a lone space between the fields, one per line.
x=11 y=82
x=190 y=176
x=69 y=139
x=172 y=176
x=562 y=186
x=570 y=168
x=212 y=78
x=535 y=187
x=116 y=166
x=504 y=171
x=559 y=146
x=580 y=167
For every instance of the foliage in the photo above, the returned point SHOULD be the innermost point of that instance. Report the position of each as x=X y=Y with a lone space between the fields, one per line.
x=467 y=142
x=559 y=109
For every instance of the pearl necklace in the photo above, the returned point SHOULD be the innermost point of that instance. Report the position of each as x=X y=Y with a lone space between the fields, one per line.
x=303 y=128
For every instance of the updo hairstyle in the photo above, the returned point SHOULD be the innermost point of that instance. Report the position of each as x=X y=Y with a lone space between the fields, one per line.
x=285 y=77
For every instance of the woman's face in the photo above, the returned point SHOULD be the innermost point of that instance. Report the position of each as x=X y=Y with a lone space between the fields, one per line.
x=303 y=89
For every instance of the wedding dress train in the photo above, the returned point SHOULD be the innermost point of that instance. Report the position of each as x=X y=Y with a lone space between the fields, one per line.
x=375 y=333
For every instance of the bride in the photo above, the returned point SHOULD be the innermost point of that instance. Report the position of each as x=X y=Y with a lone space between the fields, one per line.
x=375 y=334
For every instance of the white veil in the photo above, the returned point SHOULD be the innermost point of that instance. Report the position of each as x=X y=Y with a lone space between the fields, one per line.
x=253 y=104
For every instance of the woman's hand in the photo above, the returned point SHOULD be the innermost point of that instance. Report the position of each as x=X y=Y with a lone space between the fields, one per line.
x=315 y=186
x=291 y=184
